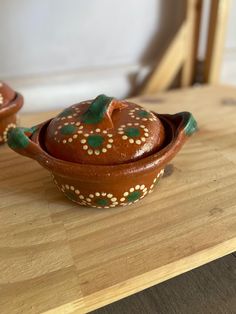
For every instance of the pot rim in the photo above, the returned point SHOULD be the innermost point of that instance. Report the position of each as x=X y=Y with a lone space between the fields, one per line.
x=12 y=107
x=176 y=123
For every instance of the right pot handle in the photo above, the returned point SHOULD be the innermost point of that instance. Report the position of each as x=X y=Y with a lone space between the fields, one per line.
x=183 y=122
x=189 y=123
x=183 y=125
x=19 y=140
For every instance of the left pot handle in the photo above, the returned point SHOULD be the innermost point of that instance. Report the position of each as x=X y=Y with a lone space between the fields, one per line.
x=19 y=140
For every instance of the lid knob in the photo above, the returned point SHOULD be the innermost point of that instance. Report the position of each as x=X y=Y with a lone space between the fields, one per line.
x=100 y=111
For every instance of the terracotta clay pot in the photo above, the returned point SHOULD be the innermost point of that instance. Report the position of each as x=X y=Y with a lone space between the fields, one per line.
x=10 y=104
x=104 y=152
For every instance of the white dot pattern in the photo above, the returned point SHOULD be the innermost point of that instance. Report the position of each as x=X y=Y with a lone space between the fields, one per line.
x=102 y=199
x=9 y=126
x=135 y=114
x=143 y=130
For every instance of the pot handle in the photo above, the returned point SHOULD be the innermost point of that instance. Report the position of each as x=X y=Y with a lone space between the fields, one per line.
x=183 y=126
x=184 y=122
x=189 y=123
x=19 y=140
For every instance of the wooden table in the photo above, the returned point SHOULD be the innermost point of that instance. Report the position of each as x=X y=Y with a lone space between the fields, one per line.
x=56 y=257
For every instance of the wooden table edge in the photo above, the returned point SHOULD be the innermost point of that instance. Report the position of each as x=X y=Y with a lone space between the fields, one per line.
x=146 y=280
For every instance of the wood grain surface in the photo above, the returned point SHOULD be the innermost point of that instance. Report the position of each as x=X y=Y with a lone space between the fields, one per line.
x=56 y=257
x=209 y=289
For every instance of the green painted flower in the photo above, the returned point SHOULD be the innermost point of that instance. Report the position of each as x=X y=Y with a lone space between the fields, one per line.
x=133 y=196
x=143 y=114
x=70 y=195
x=95 y=140
x=68 y=129
x=102 y=202
x=132 y=132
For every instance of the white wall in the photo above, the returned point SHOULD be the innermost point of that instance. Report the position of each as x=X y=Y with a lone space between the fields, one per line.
x=74 y=49
x=228 y=73
x=231 y=32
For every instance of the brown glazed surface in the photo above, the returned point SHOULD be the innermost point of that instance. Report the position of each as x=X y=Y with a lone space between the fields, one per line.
x=10 y=103
x=100 y=184
x=127 y=132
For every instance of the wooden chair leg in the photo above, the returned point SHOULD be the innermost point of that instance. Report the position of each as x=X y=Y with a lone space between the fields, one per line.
x=193 y=19
x=216 y=36
x=181 y=52
x=169 y=66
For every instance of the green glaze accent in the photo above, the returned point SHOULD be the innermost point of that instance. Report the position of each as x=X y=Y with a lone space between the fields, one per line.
x=29 y=130
x=95 y=140
x=102 y=202
x=70 y=195
x=96 y=110
x=143 y=114
x=68 y=129
x=132 y=132
x=66 y=112
x=17 y=139
x=133 y=196
x=191 y=126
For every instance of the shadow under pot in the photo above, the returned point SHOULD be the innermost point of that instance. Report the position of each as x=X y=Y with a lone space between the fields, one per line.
x=104 y=152
x=10 y=104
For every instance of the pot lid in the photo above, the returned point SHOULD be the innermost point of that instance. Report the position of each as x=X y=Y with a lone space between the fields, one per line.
x=6 y=94
x=104 y=131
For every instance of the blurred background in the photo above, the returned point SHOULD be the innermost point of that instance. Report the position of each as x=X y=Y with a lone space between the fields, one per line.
x=57 y=52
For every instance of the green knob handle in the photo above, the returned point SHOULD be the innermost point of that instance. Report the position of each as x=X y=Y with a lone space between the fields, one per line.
x=96 y=110
x=100 y=110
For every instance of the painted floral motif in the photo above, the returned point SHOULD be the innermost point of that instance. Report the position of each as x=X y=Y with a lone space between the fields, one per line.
x=106 y=199
x=9 y=126
x=97 y=142
x=141 y=114
x=101 y=200
x=71 y=192
x=96 y=200
x=69 y=130
x=94 y=142
x=134 y=133
x=133 y=195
